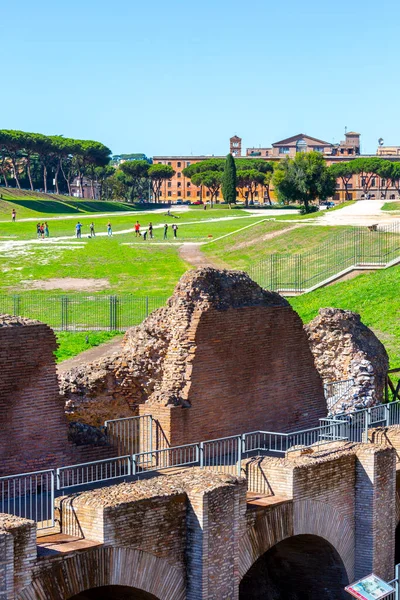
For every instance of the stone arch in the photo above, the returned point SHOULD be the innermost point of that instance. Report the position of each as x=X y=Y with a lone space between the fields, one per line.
x=301 y=517
x=106 y=566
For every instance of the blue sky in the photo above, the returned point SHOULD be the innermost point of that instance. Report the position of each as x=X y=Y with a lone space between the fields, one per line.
x=180 y=77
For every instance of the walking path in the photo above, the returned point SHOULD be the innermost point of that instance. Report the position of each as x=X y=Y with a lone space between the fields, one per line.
x=363 y=212
x=115 y=345
x=191 y=253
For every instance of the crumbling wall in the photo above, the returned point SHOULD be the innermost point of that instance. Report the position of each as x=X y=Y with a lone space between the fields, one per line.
x=32 y=417
x=344 y=348
x=224 y=356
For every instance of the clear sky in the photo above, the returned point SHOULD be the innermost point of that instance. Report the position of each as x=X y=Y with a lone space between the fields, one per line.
x=181 y=77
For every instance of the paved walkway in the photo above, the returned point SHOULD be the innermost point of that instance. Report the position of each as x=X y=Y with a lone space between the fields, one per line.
x=363 y=212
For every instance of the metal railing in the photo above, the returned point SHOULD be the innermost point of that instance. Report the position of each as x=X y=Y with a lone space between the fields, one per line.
x=337 y=392
x=82 y=313
x=31 y=495
x=355 y=247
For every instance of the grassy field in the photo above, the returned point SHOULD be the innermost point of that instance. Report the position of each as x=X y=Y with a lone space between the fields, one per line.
x=71 y=344
x=394 y=205
x=374 y=296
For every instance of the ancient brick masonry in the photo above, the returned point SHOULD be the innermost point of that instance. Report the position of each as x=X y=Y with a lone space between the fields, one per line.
x=344 y=348
x=224 y=356
x=33 y=422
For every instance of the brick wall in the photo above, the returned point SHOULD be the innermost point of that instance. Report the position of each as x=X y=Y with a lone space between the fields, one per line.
x=17 y=553
x=34 y=430
x=251 y=369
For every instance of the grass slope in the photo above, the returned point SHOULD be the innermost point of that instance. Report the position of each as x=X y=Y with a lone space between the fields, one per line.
x=71 y=344
x=374 y=296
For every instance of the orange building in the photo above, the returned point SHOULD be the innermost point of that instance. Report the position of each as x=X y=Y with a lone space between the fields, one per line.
x=181 y=189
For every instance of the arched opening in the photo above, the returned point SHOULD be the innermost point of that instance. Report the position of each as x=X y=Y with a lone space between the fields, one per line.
x=114 y=592
x=303 y=567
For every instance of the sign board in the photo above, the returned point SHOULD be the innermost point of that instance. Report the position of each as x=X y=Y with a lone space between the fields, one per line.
x=370 y=588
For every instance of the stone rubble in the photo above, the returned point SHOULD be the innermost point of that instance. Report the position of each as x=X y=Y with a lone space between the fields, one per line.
x=344 y=348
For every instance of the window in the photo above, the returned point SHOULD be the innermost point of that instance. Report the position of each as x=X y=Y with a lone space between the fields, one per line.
x=160 y=162
x=179 y=194
x=188 y=194
x=373 y=182
x=169 y=184
x=336 y=197
x=349 y=186
x=284 y=150
x=179 y=164
x=179 y=174
x=235 y=144
x=179 y=184
x=188 y=163
x=383 y=183
x=207 y=193
x=169 y=163
x=189 y=184
x=301 y=146
x=169 y=194
x=198 y=194
x=337 y=184
x=318 y=149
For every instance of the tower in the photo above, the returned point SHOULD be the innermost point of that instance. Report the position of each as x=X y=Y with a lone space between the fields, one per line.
x=235 y=146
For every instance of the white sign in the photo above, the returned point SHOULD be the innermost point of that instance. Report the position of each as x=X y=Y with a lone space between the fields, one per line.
x=370 y=588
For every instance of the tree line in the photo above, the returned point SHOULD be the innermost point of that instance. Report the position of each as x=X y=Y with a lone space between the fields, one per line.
x=34 y=160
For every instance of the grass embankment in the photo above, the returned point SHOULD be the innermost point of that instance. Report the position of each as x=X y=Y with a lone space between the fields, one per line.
x=394 y=205
x=374 y=296
x=50 y=208
x=249 y=246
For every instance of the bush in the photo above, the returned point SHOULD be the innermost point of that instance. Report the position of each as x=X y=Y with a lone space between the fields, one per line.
x=311 y=209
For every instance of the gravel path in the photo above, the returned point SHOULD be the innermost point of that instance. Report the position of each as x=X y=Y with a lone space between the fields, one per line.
x=363 y=212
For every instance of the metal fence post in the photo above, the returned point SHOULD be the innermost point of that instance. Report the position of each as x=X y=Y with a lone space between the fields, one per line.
x=367 y=414
x=397 y=582
x=134 y=464
x=239 y=461
x=64 y=313
x=147 y=307
x=58 y=479
x=16 y=302
x=113 y=313
x=150 y=433
x=201 y=451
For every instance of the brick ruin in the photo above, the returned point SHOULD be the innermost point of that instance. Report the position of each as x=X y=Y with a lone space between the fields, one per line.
x=344 y=348
x=223 y=357
x=32 y=417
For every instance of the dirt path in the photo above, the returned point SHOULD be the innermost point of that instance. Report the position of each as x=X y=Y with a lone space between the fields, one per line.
x=92 y=354
x=192 y=254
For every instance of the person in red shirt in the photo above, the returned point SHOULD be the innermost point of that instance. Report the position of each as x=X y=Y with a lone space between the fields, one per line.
x=137 y=229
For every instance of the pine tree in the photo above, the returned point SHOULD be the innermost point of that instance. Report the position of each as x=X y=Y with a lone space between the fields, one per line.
x=229 y=180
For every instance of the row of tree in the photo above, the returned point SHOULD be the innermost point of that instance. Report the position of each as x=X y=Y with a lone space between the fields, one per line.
x=33 y=159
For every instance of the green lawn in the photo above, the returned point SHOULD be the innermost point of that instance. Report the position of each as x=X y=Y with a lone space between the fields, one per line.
x=375 y=296
x=393 y=205
x=71 y=344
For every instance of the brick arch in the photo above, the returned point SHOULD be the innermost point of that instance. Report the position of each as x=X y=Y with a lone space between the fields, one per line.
x=107 y=566
x=323 y=520
x=304 y=517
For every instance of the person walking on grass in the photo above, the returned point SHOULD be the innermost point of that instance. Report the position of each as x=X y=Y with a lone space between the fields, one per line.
x=46 y=230
x=165 y=231
x=92 y=233
x=174 y=229
x=78 y=228
x=109 y=229
x=38 y=230
x=13 y=215
x=42 y=231
x=145 y=235
x=137 y=229
x=151 y=230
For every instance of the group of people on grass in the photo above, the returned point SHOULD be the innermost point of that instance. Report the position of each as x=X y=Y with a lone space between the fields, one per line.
x=42 y=229
x=149 y=231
